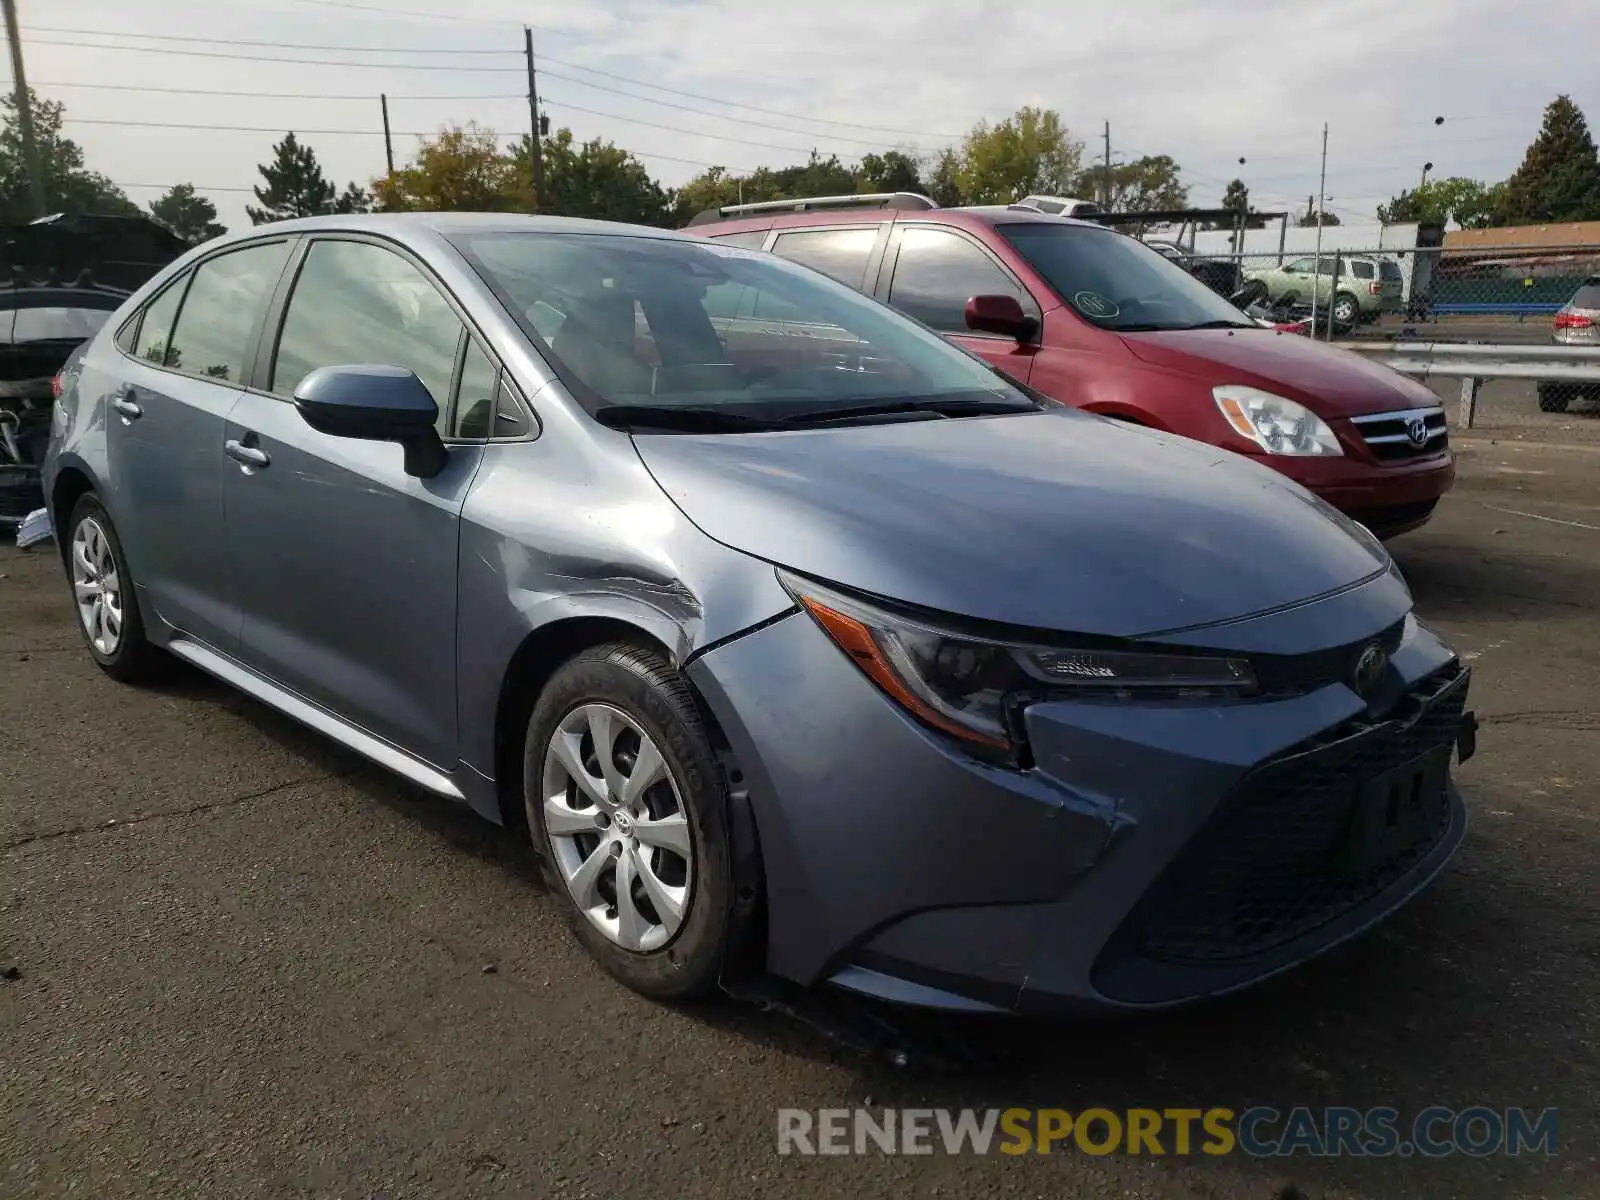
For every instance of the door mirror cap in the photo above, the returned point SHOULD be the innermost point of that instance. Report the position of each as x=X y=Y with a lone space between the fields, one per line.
x=376 y=403
x=1002 y=315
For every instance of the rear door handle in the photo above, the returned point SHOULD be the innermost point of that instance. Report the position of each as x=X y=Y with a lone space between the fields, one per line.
x=125 y=405
x=250 y=456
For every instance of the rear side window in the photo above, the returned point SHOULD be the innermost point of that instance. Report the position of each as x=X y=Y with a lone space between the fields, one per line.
x=217 y=323
x=1363 y=270
x=58 y=324
x=838 y=253
x=155 y=330
x=938 y=272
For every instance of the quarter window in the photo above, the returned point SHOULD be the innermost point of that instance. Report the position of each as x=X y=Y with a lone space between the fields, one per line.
x=359 y=303
x=217 y=323
x=155 y=331
x=838 y=253
x=475 y=396
x=938 y=272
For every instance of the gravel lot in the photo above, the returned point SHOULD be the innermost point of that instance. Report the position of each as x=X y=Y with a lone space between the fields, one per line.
x=251 y=965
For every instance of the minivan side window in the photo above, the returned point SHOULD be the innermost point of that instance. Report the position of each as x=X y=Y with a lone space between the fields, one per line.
x=752 y=239
x=355 y=302
x=938 y=272
x=155 y=330
x=838 y=253
x=217 y=323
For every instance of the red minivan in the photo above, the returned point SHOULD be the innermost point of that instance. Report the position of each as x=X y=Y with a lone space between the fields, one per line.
x=1100 y=321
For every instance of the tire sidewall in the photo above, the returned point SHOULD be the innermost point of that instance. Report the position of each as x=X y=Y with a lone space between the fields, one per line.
x=652 y=695
x=132 y=649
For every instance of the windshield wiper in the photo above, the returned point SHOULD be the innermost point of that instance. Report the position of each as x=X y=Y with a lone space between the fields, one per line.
x=888 y=408
x=683 y=418
x=1223 y=324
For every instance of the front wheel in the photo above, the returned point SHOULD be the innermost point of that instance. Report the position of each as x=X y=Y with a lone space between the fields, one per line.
x=627 y=809
x=1346 y=312
x=103 y=595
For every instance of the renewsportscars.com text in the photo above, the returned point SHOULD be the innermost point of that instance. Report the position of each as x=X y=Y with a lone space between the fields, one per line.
x=1259 y=1132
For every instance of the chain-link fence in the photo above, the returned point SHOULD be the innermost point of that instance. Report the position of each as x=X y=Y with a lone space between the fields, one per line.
x=1505 y=295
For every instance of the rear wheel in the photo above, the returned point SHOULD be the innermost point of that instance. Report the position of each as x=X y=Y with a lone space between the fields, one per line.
x=626 y=806
x=104 y=597
x=1554 y=397
x=1346 y=312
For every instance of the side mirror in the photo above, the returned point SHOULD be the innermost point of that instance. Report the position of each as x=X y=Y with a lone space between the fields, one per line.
x=1002 y=315
x=379 y=404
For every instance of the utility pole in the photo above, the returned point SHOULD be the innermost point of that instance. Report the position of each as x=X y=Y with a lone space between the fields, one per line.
x=388 y=145
x=1105 y=184
x=30 y=147
x=1316 y=277
x=535 y=149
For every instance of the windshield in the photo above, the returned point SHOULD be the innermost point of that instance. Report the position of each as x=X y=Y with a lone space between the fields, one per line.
x=664 y=322
x=1117 y=283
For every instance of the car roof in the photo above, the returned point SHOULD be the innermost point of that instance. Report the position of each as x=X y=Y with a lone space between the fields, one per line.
x=446 y=223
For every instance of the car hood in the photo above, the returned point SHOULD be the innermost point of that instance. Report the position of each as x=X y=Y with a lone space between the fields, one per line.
x=1329 y=381
x=1055 y=520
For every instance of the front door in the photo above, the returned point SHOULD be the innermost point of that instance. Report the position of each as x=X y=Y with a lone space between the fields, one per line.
x=346 y=565
x=164 y=429
x=936 y=271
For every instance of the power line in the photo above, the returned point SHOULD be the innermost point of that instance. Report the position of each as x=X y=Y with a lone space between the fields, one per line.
x=363 y=97
x=436 y=50
x=215 y=41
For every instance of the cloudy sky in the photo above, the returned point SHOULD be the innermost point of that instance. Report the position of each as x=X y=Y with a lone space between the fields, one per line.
x=744 y=83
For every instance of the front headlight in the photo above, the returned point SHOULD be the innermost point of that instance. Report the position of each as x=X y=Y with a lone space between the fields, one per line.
x=971 y=687
x=1277 y=425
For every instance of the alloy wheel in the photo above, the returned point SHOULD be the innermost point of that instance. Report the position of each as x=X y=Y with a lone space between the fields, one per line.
x=97 y=586
x=617 y=827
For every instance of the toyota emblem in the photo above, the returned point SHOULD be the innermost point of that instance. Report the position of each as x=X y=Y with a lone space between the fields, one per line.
x=1370 y=668
x=1417 y=431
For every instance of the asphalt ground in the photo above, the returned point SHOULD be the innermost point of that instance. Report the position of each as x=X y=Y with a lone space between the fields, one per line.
x=248 y=964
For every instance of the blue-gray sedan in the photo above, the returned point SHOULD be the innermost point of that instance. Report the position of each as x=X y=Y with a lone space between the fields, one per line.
x=779 y=623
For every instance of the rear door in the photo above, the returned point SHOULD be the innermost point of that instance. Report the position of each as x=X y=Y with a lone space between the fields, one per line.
x=931 y=271
x=346 y=565
x=184 y=359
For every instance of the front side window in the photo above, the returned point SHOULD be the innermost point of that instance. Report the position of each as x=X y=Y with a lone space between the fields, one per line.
x=355 y=302
x=692 y=325
x=217 y=323
x=1300 y=266
x=838 y=253
x=1116 y=282
x=938 y=272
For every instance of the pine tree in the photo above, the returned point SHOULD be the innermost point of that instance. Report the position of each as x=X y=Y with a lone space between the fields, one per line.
x=296 y=187
x=191 y=217
x=1559 y=179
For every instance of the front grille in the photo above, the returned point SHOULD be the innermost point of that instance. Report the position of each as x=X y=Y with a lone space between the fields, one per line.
x=1270 y=865
x=1410 y=433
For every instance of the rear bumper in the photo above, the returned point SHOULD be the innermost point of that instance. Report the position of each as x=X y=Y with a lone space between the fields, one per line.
x=1150 y=856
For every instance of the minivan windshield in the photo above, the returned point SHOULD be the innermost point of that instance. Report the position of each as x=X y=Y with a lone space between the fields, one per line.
x=719 y=332
x=1118 y=283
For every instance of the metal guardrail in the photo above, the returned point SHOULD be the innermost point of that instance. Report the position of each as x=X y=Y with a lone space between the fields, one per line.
x=1472 y=364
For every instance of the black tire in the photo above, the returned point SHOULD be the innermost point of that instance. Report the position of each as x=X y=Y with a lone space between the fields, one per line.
x=133 y=659
x=1554 y=397
x=1285 y=305
x=642 y=686
x=1352 y=309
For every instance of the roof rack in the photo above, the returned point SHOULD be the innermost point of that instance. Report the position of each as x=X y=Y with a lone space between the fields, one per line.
x=903 y=201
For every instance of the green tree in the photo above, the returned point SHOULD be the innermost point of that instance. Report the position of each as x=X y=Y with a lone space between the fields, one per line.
x=715 y=187
x=596 y=179
x=1308 y=219
x=1029 y=153
x=296 y=186
x=1465 y=201
x=68 y=186
x=190 y=216
x=1559 y=179
x=463 y=169
x=1148 y=184
x=891 y=171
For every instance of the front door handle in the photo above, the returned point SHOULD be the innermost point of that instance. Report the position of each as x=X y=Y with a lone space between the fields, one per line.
x=125 y=405
x=250 y=456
